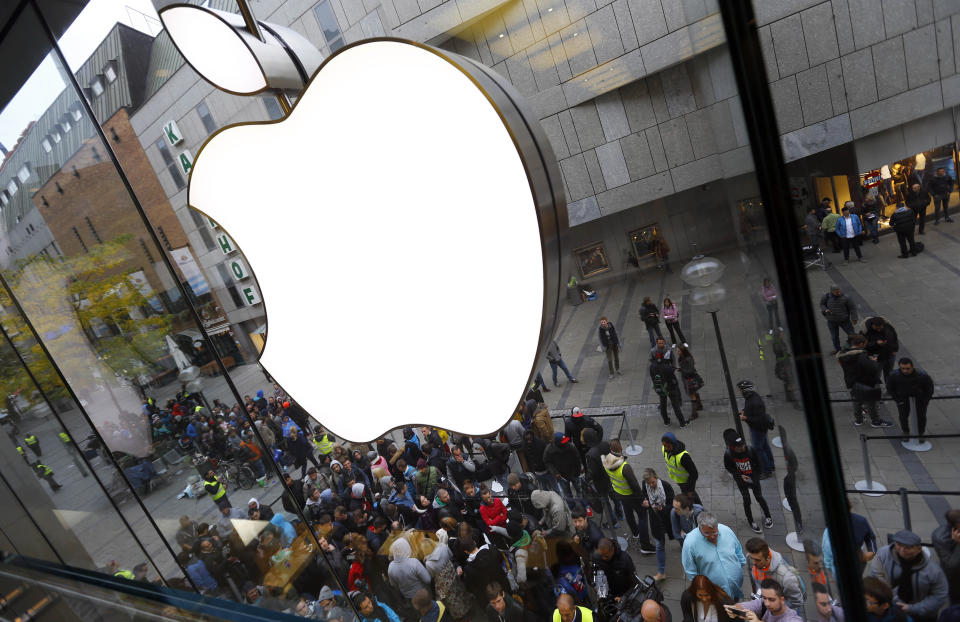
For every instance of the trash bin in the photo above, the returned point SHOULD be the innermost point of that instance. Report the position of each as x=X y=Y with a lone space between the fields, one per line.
x=573 y=296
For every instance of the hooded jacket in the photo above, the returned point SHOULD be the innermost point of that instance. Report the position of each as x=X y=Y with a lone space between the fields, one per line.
x=594 y=460
x=686 y=462
x=557 y=520
x=405 y=572
x=948 y=552
x=612 y=462
x=562 y=458
x=786 y=575
x=858 y=368
x=929 y=583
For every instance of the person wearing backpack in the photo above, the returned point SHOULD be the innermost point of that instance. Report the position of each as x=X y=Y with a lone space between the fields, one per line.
x=768 y=564
x=760 y=422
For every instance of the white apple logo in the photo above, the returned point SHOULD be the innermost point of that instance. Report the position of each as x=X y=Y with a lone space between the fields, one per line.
x=405 y=237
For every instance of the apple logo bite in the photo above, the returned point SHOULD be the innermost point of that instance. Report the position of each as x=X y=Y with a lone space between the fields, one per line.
x=404 y=224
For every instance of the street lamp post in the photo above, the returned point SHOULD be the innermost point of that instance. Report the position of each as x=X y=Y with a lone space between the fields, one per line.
x=703 y=275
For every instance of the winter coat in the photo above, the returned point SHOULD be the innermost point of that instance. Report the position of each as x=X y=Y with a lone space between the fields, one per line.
x=940 y=186
x=855 y=224
x=542 y=425
x=660 y=519
x=858 y=368
x=887 y=334
x=688 y=606
x=574 y=427
x=494 y=514
x=619 y=569
x=562 y=460
x=948 y=552
x=593 y=459
x=903 y=220
x=406 y=573
x=557 y=520
x=459 y=471
x=917 y=200
x=756 y=413
x=929 y=583
x=608 y=336
x=533 y=451
x=671 y=314
x=918 y=384
x=481 y=569
x=650 y=315
x=841 y=308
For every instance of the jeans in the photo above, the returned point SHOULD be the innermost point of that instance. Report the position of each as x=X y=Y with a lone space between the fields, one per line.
x=835 y=331
x=758 y=493
x=661 y=553
x=654 y=331
x=553 y=368
x=773 y=314
x=872 y=228
x=847 y=243
x=258 y=470
x=674 y=327
x=613 y=358
x=636 y=518
x=539 y=382
x=569 y=490
x=940 y=201
x=906 y=242
x=758 y=438
x=860 y=406
x=903 y=408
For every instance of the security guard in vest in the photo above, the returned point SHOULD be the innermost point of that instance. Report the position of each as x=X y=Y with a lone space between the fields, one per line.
x=216 y=490
x=323 y=441
x=680 y=465
x=33 y=443
x=23 y=454
x=72 y=450
x=47 y=473
x=629 y=491
x=568 y=611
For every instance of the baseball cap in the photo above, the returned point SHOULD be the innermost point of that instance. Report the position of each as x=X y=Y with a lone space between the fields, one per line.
x=576 y=412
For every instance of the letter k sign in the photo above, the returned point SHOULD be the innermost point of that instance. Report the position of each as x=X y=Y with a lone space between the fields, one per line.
x=172 y=133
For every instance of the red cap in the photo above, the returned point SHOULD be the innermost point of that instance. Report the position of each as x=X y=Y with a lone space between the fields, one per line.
x=286 y=404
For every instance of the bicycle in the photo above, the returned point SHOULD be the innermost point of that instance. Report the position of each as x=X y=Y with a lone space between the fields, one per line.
x=232 y=473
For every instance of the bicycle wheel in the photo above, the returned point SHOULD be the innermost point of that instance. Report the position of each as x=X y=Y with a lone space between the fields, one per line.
x=245 y=477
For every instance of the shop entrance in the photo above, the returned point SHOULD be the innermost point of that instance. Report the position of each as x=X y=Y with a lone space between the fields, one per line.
x=835 y=187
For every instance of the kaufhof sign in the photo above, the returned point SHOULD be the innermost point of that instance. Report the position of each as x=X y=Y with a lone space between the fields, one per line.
x=409 y=179
x=245 y=280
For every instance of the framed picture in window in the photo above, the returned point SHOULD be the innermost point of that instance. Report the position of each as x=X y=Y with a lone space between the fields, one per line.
x=592 y=259
x=641 y=240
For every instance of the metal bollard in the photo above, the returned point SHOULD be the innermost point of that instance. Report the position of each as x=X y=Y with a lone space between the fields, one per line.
x=905 y=508
x=866 y=461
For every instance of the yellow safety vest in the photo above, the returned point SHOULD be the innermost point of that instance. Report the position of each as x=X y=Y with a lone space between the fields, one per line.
x=677 y=472
x=324 y=445
x=31 y=440
x=618 y=481
x=220 y=489
x=64 y=437
x=20 y=450
x=585 y=614
x=46 y=470
x=125 y=574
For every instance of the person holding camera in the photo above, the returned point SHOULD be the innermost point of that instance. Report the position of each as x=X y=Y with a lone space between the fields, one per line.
x=771 y=606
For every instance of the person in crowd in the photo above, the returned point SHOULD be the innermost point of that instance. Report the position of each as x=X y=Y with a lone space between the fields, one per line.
x=907 y=382
x=557 y=520
x=563 y=461
x=883 y=343
x=919 y=585
x=428 y=609
x=568 y=572
x=826 y=610
x=663 y=375
x=586 y=532
x=879 y=602
x=482 y=567
x=406 y=573
x=743 y=464
x=941 y=185
x=216 y=490
x=658 y=502
x=556 y=361
x=870 y=215
x=824 y=208
x=861 y=374
x=918 y=199
x=754 y=413
x=651 y=320
x=460 y=467
x=519 y=487
x=575 y=424
x=671 y=317
x=903 y=221
x=769 y=294
x=372 y=610
x=680 y=465
x=629 y=493
x=611 y=345
x=692 y=381
x=946 y=542
x=501 y=607
x=597 y=478
x=616 y=565
x=771 y=605
x=492 y=510
x=714 y=551
x=654 y=611
x=811 y=225
x=829 y=228
x=849 y=230
x=840 y=312
x=533 y=450
x=703 y=601
x=768 y=564
x=568 y=611
x=683 y=516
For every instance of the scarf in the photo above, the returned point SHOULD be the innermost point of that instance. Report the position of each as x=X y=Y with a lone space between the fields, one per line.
x=656 y=495
x=904 y=583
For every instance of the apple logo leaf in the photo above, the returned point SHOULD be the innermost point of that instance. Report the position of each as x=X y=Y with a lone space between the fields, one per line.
x=405 y=223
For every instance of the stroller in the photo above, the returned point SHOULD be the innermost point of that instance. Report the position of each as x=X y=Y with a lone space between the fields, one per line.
x=813 y=256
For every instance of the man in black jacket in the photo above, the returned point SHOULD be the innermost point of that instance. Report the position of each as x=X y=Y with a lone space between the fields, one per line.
x=482 y=568
x=533 y=449
x=755 y=414
x=902 y=221
x=743 y=464
x=563 y=461
x=597 y=477
x=664 y=377
x=861 y=374
x=882 y=342
x=575 y=424
x=616 y=565
x=918 y=199
x=941 y=185
x=518 y=492
x=840 y=312
x=908 y=381
x=611 y=345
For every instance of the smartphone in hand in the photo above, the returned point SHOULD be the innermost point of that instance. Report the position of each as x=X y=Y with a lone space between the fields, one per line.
x=735 y=612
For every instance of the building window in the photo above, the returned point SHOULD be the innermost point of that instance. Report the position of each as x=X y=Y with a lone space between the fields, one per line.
x=79 y=239
x=170 y=164
x=24 y=173
x=273 y=108
x=4 y=198
x=146 y=251
x=329 y=25
x=96 y=87
x=45 y=143
x=65 y=124
x=206 y=118
x=76 y=112
x=110 y=71
x=55 y=135
x=96 y=236
x=12 y=188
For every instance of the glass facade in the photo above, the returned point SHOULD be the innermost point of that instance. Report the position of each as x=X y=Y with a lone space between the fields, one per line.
x=733 y=342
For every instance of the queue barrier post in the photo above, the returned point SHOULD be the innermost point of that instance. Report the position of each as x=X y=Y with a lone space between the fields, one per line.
x=632 y=449
x=868 y=485
x=905 y=508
